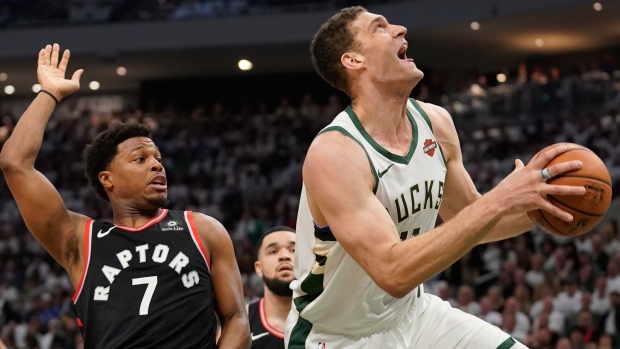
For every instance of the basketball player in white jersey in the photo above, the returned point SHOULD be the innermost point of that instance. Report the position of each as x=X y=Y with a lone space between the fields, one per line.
x=375 y=180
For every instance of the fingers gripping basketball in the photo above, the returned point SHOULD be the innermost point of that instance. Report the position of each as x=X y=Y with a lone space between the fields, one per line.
x=588 y=209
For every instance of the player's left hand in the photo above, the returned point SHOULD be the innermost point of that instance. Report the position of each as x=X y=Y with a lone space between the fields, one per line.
x=51 y=73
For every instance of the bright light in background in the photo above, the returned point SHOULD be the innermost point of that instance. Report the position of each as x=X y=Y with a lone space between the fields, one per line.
x=597 y=6
x=501 y=77
x=9 y=89
x=3 y=76
x=121 y=71
x=94 y=85
x=244 y=64
x=475 y=25
x=539 y=42
x=36 y=88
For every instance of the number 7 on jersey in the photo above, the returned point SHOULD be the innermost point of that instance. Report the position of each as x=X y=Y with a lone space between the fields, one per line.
x=151 y=281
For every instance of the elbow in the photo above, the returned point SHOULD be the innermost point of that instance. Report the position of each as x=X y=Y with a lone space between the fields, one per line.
x=6 y=165
x=395 y=286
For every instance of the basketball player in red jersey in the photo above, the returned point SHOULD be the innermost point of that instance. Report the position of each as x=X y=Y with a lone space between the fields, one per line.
x=152 y=278
x=275 y=254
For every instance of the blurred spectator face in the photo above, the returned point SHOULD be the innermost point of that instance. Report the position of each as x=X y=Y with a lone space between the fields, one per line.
x=601 y=284
x=585 y=319
x=585 y=273
x=563 y=343
x=485 y=305
x=576 y=337
x=519 y=276
x=542 y=337
x=548 y=304
x=444 y=291
x=543 y=320
x=465 y=295
x=597 y=244
x=537 y=262
x=604 y=342
x=586 y=300
x=508 y=323
x=512 y=305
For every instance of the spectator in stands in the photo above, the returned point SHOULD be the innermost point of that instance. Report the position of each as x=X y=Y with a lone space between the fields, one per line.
x=586 y=322
x=600 y=298
x=466 y=302
x=487 y=314
x=568 y=301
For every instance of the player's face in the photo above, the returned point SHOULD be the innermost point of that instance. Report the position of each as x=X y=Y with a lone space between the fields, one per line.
x=276 y=256
x=137 y=175
x=384 y=49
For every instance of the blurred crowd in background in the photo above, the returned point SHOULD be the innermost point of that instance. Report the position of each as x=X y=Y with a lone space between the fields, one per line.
x=243 y=167
x=18 y=13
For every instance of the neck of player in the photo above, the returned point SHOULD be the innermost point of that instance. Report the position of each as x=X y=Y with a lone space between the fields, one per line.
x=383 y=113
x=131 y=217
x=277 y=309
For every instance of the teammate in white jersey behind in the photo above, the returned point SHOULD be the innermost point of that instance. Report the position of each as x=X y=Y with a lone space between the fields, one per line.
x=375 y=178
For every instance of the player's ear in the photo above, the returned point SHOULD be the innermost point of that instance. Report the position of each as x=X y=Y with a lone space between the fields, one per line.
x=352 y=60
x=105 y=177
x=258 y=268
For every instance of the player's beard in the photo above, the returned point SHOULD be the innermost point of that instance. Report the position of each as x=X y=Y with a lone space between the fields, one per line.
x=278 y=287
x=160 y=203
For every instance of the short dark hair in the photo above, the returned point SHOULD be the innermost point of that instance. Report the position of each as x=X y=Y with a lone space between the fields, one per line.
x=99 y=154
x=333 y=39
x=259 y=244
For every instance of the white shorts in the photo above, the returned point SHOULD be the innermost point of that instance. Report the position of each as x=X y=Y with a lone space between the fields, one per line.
x=439 y=326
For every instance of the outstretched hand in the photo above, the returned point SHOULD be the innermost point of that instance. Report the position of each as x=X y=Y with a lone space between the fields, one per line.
x=51 y=73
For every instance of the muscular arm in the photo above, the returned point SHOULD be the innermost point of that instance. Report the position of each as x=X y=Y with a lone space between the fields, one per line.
x=459 y=189
x=38 y=201
x=339 y=187
x=227 y=286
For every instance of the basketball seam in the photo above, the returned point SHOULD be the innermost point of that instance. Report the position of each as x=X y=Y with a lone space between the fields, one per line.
x=586 y=177
x=558 y=231
x=574 y=209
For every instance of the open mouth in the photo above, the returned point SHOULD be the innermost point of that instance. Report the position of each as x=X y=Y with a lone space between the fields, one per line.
x=402 y=53
x=158 y=181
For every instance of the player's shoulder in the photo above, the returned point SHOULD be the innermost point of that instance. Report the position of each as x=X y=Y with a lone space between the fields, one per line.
x=335 y=151
x=209 y=228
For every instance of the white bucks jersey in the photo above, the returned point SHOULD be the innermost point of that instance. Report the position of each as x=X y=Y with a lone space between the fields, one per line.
x=332 y=291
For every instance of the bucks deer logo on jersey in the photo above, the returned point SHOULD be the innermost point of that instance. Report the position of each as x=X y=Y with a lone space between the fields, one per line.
x=429 y=147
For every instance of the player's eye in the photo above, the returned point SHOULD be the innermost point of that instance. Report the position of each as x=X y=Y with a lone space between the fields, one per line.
x=158 y=159
x=140 y=159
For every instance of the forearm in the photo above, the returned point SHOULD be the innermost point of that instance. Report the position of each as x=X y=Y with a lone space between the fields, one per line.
x=24 y=144
x=416 y=260
x=235 y=333
x=508 y=227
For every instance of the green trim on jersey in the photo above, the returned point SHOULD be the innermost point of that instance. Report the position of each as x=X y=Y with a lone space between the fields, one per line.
x=300 y=334
x=507 y=344
x=396 y=158
x=312 y=285
x=372 y=166
x=428 y=121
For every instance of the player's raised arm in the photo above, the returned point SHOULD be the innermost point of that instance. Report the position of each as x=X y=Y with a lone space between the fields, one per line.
x=39 y=202
x=339 y=186
x=227 y=285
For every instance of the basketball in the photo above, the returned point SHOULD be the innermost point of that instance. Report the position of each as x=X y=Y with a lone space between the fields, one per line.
x=587 y=210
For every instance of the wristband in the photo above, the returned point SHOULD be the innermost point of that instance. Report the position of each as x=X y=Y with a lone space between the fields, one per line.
x=50 y=94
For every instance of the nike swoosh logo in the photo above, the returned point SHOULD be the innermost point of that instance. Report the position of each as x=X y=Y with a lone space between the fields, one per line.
x=100 y=234
x=258 y=335
x=382 y=173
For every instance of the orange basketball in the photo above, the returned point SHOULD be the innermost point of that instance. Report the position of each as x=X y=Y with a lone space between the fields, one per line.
x=587 y=210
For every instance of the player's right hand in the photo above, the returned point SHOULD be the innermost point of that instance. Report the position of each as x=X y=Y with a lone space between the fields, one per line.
x=525 y=190
x=51 y=73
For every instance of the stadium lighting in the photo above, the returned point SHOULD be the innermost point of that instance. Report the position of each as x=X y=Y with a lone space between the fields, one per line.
x=539 y=42
x=3 y=76
x=36 y=88
x=597 y=6
x=9 y=89
x=94 y=85
x=244 y=64
x=475 y=25
x=501 y=77
x=122 y=71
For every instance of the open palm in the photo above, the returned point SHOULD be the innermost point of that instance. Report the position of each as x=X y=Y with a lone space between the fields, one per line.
x=51 y=74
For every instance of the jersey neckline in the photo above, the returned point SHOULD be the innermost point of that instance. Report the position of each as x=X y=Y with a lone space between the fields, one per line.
x=389 y=155
x=148 y=223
